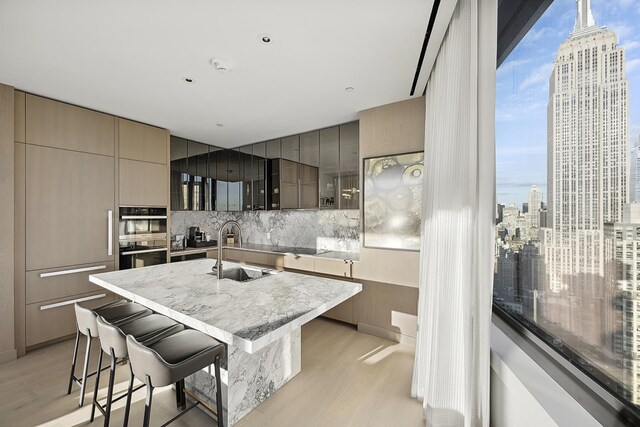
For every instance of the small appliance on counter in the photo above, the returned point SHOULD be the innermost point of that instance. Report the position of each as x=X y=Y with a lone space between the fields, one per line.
x=198 y=239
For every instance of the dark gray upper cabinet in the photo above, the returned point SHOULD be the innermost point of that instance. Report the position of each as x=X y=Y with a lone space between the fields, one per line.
x=246 y=161
x=310 y=148
x=234 y=180
x=314 y=169
x=179 y=174
x=329 y=167
x=349 y=166
x=291 y=148
x=273 y=149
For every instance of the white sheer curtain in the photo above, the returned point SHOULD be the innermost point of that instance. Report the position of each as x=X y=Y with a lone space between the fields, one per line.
x=451 y=373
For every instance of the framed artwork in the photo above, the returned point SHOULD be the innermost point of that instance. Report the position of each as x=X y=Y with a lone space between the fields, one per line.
x=393 y=201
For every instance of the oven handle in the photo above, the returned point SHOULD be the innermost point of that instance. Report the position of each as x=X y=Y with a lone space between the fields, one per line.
x=143 y=217
x=144 y=251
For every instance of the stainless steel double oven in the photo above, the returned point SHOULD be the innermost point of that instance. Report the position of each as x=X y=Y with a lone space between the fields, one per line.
x=143 y=236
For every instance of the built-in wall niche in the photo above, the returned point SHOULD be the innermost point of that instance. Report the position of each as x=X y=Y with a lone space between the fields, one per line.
x=317 y=169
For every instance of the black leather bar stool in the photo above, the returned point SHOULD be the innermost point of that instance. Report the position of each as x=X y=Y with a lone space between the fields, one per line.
x=147 y=330
x=170 y=361
x=117 y=312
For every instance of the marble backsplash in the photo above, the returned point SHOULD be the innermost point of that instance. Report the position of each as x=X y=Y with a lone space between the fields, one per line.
x=334 y=230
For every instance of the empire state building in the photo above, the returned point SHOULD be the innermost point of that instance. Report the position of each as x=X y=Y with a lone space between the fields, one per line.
x=587 y=143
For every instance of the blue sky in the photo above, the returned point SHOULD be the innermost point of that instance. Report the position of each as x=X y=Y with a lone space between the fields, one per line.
x=522 y=90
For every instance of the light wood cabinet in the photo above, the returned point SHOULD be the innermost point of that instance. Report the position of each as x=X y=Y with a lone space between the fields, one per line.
x=142 y=142
x=59 y=125
x=305 y=263
x=54 y=319
x=342 y=312
x=333 y=267
x=143 y=183
x=19 y=118
x=52 y=283
x=69 y=200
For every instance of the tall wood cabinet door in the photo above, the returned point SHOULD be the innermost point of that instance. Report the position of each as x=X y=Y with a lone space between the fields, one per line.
x=56 y=124
x=69 y=197
x=142 y=142
x=143 y=183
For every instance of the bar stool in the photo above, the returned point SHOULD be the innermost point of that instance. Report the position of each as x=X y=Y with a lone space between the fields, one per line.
x=147 y=329
x=170 y=361
x=119 y=312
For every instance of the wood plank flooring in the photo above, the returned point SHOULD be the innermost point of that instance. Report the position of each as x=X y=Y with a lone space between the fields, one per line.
x=347 y=379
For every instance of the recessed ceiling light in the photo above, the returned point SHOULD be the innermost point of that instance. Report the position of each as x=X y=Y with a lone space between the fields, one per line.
x=222 y=64
x=349 y=89
x=188 y=80
x=264 y=38
x=219 y=125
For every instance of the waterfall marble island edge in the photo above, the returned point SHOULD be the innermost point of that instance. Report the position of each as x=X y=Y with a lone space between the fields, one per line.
x=259 y=321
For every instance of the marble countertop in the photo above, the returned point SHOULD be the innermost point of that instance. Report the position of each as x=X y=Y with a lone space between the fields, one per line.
x=248 y=315
x=349 y=256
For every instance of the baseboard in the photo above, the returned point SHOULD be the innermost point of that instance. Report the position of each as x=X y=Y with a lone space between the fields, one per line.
x=387 y=334
x=8 y=356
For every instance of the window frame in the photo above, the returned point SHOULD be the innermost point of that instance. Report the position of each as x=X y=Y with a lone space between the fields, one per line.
x=515 y=19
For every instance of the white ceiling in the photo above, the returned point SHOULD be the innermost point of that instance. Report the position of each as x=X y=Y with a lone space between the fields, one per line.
x=128 y=58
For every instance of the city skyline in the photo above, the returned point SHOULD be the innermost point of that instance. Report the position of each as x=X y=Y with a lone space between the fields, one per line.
x=522 y=88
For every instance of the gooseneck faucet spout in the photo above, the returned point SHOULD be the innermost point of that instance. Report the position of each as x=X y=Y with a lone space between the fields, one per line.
x=220 y=245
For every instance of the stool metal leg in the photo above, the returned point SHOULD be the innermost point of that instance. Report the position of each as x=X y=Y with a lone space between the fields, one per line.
x=216 y=363
x=73 y=361
x=85 y=369
x=127 y=408
x=112 y=376
x=95 y=389
x=147 y=403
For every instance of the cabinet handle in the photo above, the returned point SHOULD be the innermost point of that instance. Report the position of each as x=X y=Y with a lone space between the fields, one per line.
x=75 y=270
x=143 y=217
x=73 y=301
x=109 y=233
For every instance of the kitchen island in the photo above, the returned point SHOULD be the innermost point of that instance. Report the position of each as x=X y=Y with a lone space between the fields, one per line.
x=259 y=321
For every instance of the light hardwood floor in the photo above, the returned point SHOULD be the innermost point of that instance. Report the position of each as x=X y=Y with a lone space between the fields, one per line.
x=347 y=379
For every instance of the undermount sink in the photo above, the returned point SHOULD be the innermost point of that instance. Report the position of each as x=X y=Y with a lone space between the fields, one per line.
x=245 y=274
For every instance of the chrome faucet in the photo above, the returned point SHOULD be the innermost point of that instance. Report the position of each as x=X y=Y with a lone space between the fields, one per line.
x=218 y=265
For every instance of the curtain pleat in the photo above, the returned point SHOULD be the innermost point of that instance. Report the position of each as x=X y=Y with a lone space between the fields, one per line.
x=451 y=373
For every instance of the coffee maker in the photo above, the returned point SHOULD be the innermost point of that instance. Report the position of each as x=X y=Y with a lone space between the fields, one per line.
x=197 y=238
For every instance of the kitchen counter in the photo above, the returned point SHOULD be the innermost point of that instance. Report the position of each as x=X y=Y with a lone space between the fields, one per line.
x=247 y=315
x=272 y=249
x=259 y=321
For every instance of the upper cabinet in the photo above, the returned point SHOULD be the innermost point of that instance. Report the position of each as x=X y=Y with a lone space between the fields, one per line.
x=314 y=169
x=329 y=167
x=58 y=125
x=143 y=171
x=180 y=177
x=349 y=166
x=142 y=142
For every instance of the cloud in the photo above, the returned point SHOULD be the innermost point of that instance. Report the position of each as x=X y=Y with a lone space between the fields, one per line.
x=622 y=29
x=630 y=45
x=632 y=65
x=518 y=110
x=537 y=75
x=522 y=150
x=510 y=65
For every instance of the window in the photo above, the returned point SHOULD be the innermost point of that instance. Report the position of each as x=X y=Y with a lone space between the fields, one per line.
x=567 y=238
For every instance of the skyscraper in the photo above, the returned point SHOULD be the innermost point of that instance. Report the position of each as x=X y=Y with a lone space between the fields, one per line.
x=587 y=148
x=535 y=204
x=634 y=173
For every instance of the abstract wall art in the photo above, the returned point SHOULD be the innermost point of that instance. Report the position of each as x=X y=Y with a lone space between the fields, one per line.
x=393 y=201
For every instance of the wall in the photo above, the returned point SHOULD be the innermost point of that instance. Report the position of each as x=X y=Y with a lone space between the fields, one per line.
x=388 y=303
x=7 y=343
x=335 y=230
